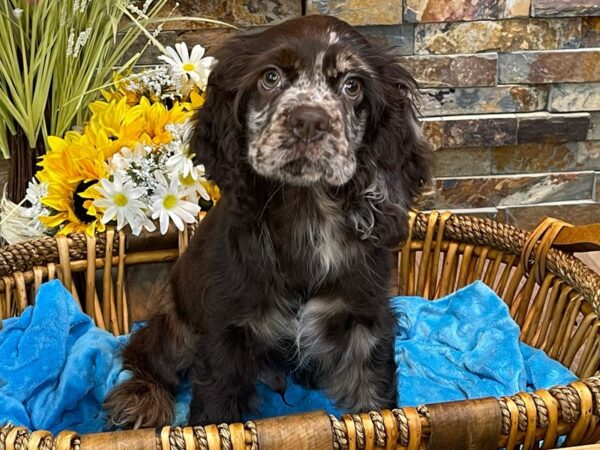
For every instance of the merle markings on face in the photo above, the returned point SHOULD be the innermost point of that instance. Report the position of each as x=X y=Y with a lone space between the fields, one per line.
x=305 y=121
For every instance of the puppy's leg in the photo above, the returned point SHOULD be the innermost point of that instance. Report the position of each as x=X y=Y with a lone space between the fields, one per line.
x=224 y=376
x=353 y=352
x=156 y=355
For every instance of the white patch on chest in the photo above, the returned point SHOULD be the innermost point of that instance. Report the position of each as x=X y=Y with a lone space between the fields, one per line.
x=321 y=231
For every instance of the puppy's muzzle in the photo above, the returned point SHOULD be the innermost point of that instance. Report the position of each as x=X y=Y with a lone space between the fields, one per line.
x=308 y=123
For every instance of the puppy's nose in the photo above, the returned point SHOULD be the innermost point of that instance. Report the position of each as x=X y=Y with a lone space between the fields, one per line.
x=308 y=122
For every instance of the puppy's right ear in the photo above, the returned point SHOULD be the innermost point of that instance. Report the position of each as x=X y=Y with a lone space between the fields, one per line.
x=219 y=138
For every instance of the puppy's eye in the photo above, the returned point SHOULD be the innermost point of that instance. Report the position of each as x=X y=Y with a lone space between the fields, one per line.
x=352 y=87
x=271 y=79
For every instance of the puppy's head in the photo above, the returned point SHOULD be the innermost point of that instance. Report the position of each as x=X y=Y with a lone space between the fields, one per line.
x=306 y=117
x=311 y=102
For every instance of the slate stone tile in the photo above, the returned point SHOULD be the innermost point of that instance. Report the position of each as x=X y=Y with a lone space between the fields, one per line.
x=527 y=217
x=500 y=99
x=556 y=66
x=453 y=70
x=480 y=130
x=590 y=32
x=594 y=130
x=562 y=8
x=574 y=97
x=546 y=157
x=400 y=37
x=241 y=13
x=548 y=127
x=500 y=35
x=495 y=191
x=433 y=128
x=455 y=162
x=460 y=10
x=359 y=12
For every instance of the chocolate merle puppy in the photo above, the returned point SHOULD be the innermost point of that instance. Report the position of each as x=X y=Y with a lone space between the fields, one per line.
x=311 y=133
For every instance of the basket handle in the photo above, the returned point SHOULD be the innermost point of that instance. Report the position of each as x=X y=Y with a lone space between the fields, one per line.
x=554 y=233
x=582 y=238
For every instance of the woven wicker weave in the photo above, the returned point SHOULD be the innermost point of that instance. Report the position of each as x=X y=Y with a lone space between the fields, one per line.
x=553 y=297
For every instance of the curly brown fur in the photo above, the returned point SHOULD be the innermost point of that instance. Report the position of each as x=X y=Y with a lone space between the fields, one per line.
x=289 y=272
x=140 y=400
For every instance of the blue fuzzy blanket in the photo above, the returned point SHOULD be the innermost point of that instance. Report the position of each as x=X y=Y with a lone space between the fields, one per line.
x=56 y=366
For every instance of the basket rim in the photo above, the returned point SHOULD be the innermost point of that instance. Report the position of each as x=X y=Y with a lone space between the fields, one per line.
x=508 y=238
x=24 y=256
x=519 y=418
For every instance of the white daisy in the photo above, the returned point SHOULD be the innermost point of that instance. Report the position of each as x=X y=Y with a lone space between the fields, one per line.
x=121 y=200
x=182 y=163
x=142 y=220
x=168 y=204
x=193 y=65
x=181 y=159
x=123 y=159
x=192 y=186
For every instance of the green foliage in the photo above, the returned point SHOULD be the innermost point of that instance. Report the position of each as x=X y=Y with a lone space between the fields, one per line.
x=56 y=54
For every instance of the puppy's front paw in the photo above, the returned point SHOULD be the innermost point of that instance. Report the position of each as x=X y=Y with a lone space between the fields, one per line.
x=139 y=403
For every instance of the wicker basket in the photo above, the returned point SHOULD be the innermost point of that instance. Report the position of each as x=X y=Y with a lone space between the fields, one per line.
x=553 y=296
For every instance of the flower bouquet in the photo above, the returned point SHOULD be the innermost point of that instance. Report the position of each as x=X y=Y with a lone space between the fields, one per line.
x=130 y=165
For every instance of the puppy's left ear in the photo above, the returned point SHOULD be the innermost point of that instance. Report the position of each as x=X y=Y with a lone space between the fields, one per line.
x=398 y=158
x=219 y=139
x=403 y=152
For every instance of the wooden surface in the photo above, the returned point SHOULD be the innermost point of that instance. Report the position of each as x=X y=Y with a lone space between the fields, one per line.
x=130 y=439
x=456 y=427
x=311 y=431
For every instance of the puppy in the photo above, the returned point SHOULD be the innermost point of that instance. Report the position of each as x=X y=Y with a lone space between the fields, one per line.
x=311 y=133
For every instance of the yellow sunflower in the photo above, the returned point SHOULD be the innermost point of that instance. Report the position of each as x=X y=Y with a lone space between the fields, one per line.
x=72 y=170
x=114 y=125
x=157 y=116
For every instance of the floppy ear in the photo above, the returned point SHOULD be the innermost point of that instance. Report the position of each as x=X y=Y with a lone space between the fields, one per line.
x=395 y=163
x=219 y=138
